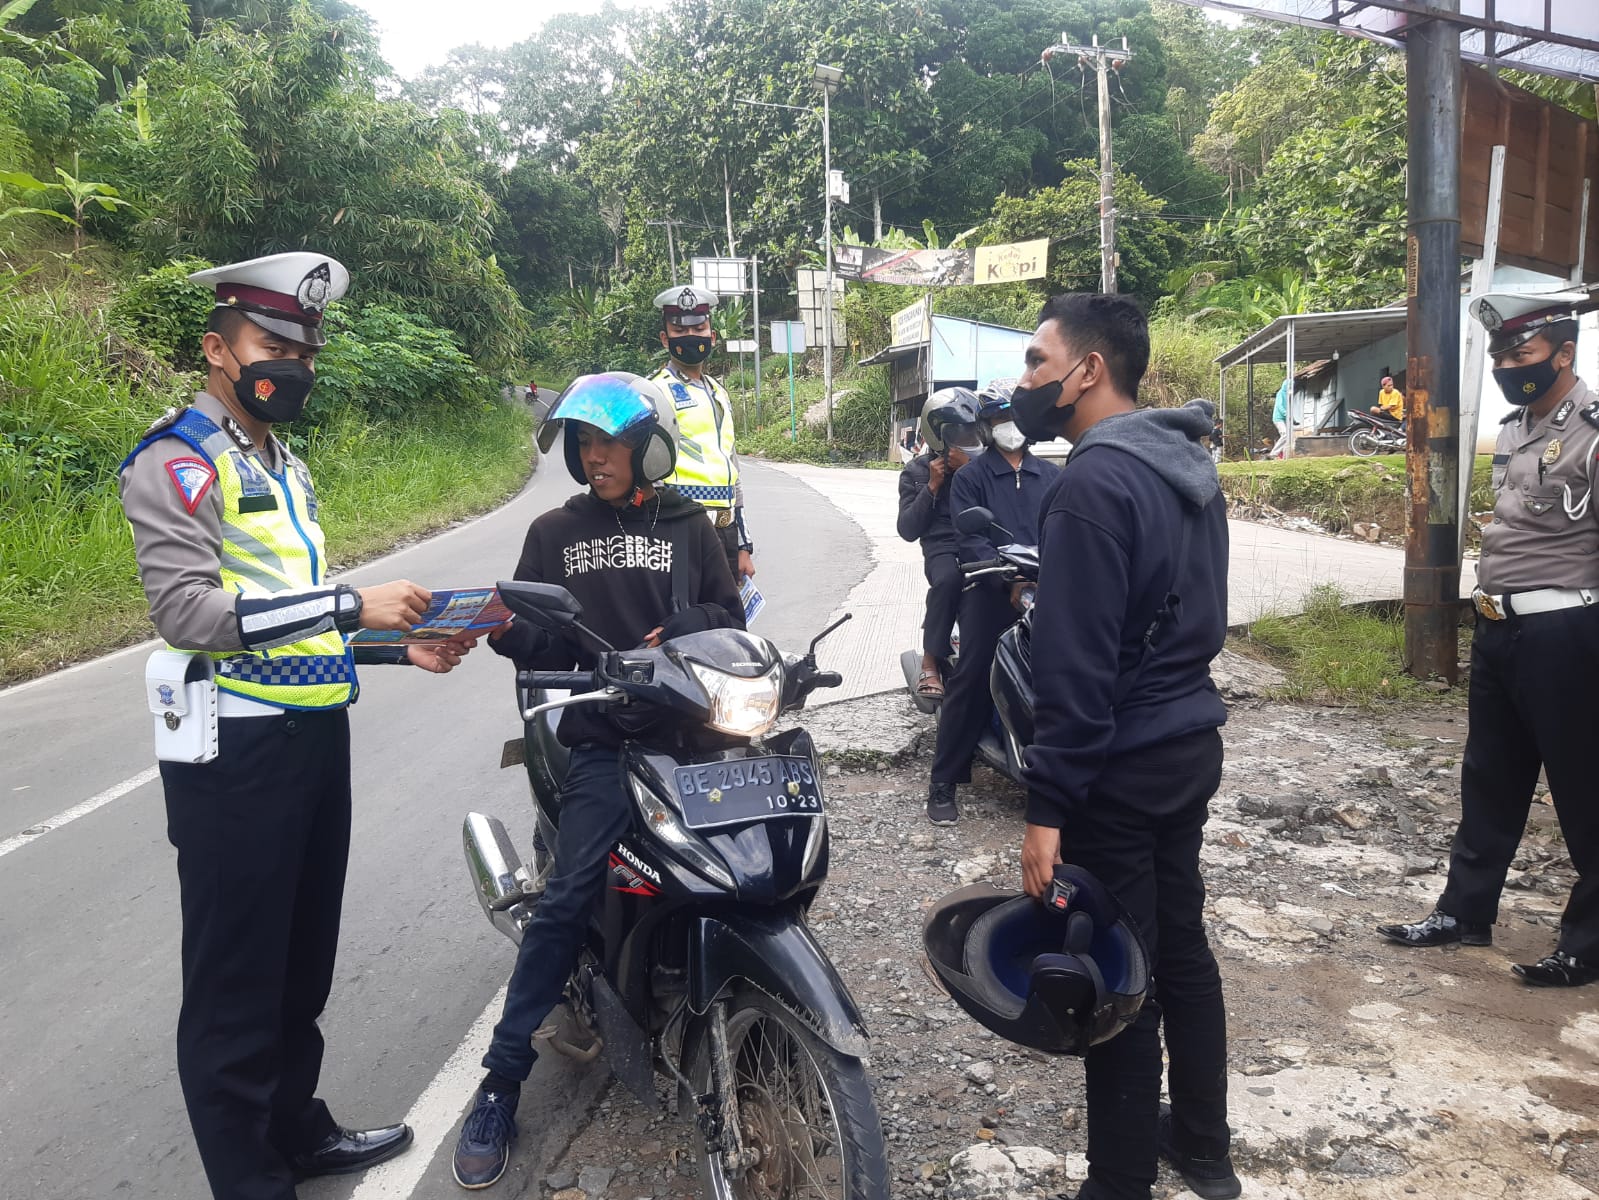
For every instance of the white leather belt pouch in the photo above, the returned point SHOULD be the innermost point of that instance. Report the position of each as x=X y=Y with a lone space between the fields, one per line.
x=181 y=690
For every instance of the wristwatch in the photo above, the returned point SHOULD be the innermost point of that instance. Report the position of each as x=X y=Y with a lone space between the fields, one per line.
x=347 y=605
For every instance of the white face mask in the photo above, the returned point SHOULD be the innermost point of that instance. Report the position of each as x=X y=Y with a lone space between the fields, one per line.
x=1007 y=437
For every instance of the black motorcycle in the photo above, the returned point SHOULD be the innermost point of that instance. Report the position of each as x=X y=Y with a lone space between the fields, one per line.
x=699 y=964
x=1010 y=727
x=1371 y=434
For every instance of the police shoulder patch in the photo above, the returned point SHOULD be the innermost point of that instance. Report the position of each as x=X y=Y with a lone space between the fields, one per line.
x=192 y=477
x=1591 y=414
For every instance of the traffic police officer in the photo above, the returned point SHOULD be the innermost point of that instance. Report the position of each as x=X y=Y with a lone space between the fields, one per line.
x=1535 y=654
x=232 y=560
x=707 y=461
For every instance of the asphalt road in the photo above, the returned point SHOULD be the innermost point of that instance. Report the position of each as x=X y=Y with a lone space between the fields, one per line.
x=89 y=1099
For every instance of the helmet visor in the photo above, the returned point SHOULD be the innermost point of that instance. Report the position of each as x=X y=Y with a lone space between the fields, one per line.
x=612 y=402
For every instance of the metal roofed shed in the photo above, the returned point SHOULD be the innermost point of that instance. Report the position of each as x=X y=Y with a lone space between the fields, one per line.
x=932 y=351
x=1297 y=337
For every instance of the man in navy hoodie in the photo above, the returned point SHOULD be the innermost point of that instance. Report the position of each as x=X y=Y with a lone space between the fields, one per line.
x=1132 y=606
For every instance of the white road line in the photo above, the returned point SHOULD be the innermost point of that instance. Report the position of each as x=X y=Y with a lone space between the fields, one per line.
x=34 y=832
x=435 y=1112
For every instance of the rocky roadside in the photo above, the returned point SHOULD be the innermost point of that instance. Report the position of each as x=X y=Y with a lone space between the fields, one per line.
x=1358 y=1069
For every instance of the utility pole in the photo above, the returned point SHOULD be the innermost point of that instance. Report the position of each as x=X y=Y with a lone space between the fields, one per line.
x=826 y=80
x=671 y=224
x=1105 y=59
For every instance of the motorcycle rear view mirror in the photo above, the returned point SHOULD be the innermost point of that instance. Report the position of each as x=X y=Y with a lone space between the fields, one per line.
x=547 y=605
x=980 y=521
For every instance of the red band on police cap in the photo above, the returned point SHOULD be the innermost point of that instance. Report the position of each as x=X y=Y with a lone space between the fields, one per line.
x=231 y=295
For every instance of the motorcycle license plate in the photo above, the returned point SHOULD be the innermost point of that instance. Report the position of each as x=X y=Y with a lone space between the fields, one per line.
x=742 y=790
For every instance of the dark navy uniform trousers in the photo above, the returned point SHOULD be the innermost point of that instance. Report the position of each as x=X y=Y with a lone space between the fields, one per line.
x=1530 y=707
x=263 y=837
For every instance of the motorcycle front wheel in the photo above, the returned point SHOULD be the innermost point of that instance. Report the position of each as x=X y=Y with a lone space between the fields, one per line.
x=1364 y=443
x=804 y=1109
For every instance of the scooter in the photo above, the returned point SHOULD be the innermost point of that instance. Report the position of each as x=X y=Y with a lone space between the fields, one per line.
x=699 y=965
x=1371 y=434
x=1010 y=728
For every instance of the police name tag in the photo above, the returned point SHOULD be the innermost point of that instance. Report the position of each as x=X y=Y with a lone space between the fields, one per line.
x=181 y=691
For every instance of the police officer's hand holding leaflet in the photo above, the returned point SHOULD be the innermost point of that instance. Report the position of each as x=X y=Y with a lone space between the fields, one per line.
x=623 y=549
x=1131 y=608
x=232 y=559
x=1535 y=652
x=1004 y=477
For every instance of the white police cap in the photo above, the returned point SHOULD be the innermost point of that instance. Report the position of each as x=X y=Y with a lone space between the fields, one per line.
x=285 y=294
x=685 y=305
x=1511 y=318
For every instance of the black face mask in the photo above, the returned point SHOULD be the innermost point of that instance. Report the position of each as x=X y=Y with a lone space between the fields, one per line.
x=273 y=390
x=1528 y=383
x=690 y=349
x=1035 y=411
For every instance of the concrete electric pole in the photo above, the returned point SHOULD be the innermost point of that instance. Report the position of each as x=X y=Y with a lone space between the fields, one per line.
x=1104 y=59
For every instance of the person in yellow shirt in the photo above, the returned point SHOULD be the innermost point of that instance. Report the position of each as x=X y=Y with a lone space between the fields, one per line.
x=1390 y=401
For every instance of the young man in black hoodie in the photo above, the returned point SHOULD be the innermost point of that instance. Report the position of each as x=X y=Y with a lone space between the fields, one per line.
x=618 y=549
x=1132 y=606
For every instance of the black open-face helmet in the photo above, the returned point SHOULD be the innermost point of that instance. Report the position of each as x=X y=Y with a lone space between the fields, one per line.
x=624 y=406
x=949 y=418
x=1059 y=975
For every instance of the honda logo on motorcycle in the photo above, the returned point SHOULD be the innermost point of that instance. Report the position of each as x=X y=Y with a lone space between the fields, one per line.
x=637 y=863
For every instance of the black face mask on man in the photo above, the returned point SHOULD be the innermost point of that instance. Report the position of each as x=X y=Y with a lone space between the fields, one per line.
x=1035 y=411
x=1528 y=383
x=690 y=349
x=273 y=390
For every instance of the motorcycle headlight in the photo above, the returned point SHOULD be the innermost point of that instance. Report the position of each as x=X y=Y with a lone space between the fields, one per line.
x=663 y=822
x=740 y=706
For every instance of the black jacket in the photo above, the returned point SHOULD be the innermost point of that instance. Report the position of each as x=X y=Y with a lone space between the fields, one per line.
x=1015 y=496
x=619 y=565
x=924 y=517
x=1110 y=538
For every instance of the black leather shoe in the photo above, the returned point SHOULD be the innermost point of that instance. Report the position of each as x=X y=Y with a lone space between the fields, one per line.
x=1558 y=970
x=1440 y=929
x=1209 y=1178
x=349 y=1150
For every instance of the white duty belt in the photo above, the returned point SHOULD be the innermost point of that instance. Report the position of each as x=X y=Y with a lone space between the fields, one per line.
x=1526 y=604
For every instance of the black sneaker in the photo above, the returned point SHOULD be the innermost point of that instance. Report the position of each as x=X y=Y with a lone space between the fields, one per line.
x=484 y=1147
x=941 y=806
x=1207 y=1178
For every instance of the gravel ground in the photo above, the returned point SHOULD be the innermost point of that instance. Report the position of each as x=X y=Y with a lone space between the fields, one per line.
x=1358 y=1069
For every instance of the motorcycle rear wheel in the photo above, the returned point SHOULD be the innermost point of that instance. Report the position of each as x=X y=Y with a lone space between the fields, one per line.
x=1364 y=443
x=807 y=1109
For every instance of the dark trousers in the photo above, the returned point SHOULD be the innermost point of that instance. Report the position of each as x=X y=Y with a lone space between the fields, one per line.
x=263 y=837
x=1529 y=706
x=943 y=573
x=1139 y=831
x=595 y=813
x=985 y=613
x=728 y=536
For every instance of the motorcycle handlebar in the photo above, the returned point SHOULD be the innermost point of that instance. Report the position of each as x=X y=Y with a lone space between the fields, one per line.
x=829 y=679
x=569 y=681
x=988 y=564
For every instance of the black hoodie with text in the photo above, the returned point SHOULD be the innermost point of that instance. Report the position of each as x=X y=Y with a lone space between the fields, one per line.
x=618 y=563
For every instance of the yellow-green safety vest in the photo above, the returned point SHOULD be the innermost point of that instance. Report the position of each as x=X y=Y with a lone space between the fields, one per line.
x=707 y=470
x=271 y=542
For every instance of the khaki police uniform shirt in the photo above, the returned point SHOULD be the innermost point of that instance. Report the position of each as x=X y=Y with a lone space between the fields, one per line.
x=1542 y=469
x=180 y=553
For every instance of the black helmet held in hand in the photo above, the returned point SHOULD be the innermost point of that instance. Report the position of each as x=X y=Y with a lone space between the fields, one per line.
x=950 y=419
x=1059 y=975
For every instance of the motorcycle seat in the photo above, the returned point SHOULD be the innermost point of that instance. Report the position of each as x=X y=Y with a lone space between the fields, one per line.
x=541 y=733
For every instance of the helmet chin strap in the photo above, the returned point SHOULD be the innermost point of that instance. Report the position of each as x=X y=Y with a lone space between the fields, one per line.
x=638 y=498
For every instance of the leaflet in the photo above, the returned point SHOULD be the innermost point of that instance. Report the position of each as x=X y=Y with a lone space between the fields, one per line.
x=452 y=613
x=753 y=600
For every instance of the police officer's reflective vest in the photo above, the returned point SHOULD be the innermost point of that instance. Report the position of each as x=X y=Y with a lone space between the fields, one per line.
x=706 y=468
x=271 y=542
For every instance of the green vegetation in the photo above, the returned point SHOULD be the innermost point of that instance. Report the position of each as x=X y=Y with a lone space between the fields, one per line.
x=1332 y=652
x=1337 y=493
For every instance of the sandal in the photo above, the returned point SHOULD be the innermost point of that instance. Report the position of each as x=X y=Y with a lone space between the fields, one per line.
x=929 y=685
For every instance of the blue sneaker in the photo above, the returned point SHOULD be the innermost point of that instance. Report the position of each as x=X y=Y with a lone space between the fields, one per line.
x=484 y=1147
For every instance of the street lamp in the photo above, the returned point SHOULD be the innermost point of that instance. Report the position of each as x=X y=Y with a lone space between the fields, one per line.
x=826 y=80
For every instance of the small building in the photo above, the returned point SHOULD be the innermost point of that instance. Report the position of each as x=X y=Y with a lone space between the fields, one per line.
x=933 y=351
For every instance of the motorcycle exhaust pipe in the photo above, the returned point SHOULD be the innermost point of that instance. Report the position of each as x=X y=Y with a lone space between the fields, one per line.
x=497 y=875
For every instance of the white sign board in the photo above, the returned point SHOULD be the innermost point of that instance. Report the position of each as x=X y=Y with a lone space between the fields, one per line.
x=913 y=325
x=740 y=345
x=788 y=337
x=724 y=276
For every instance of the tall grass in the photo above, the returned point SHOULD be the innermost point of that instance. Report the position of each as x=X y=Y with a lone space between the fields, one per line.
x=74 y=400
x=1337 y=653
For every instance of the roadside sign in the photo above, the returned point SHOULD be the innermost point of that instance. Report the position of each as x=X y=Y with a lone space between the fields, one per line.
x=788 y=337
